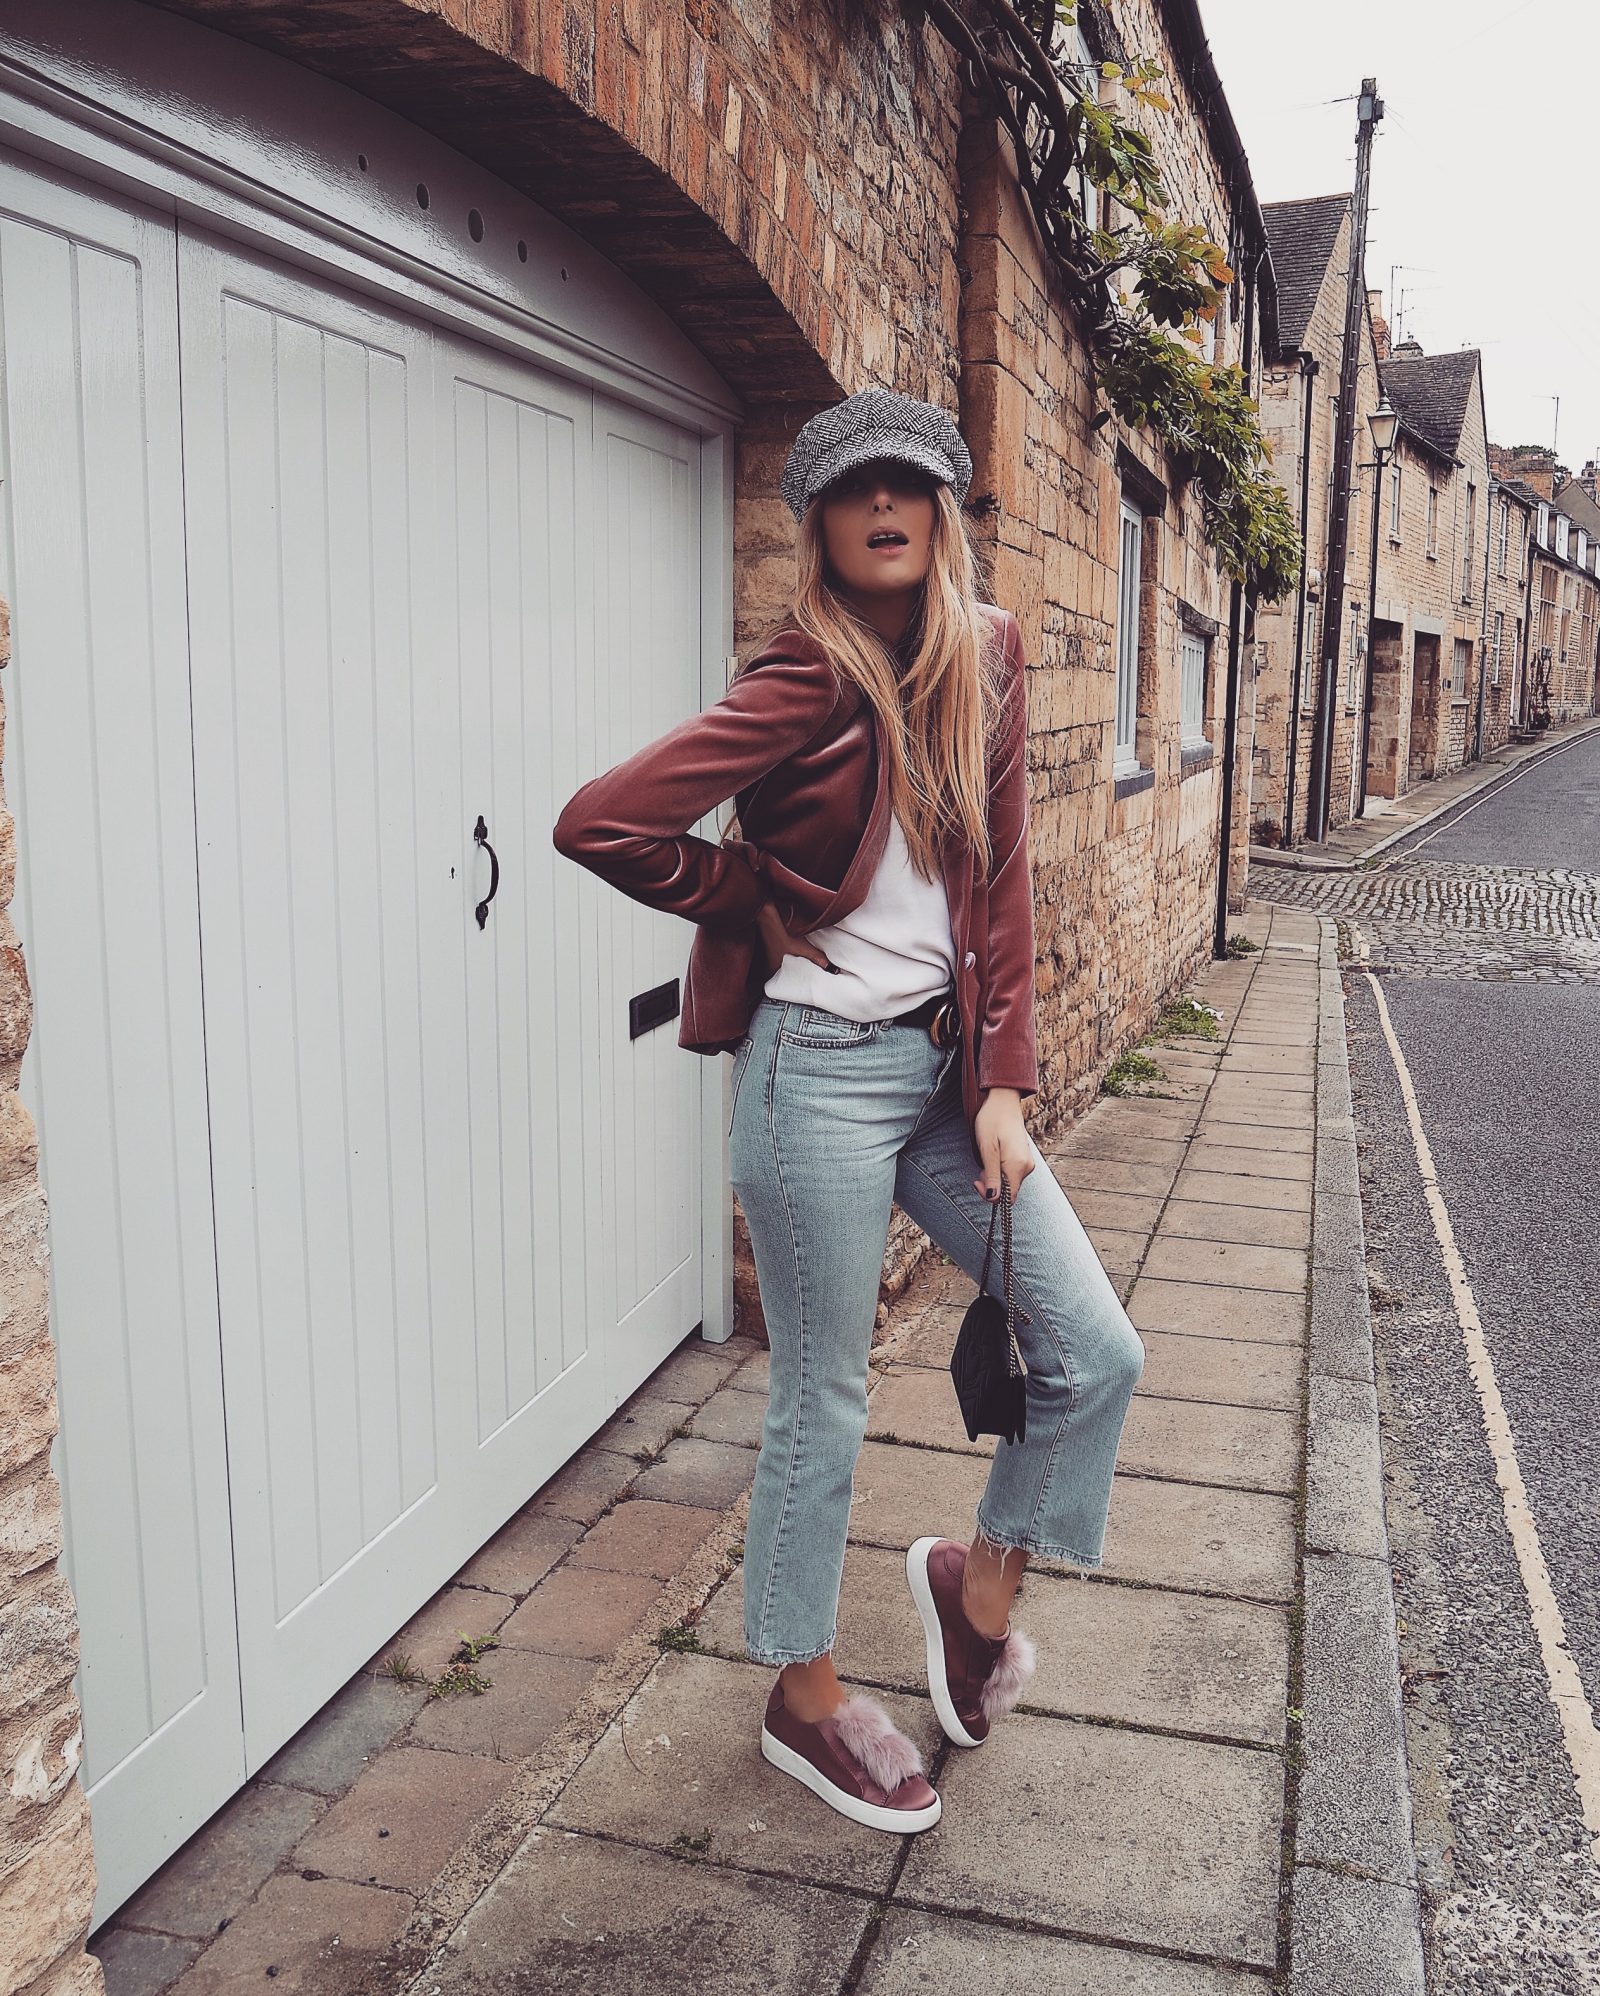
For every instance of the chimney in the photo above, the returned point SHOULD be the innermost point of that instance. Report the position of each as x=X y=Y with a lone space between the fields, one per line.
x=1408 y=350
x=1380 y=325
x=1589 y=478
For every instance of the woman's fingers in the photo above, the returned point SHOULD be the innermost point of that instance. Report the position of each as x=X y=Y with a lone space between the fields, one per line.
x=989 y=1150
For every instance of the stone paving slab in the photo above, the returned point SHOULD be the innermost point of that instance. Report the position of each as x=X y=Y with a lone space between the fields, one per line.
x=1120 y=1253
x=1218 y=1150
x=434 y=1633
x=225 y=1864
x=331 y=1749
x=691 y=1776
x=1245 y=1447
x=641 y=1536
x=1227 y=1265
x=1236 y=1542
x=1234 y=1371
x=1247 y=1107
x=404 y=1817
x=1123 y=1212
x=301 y=1937
x=917 y=1404
x=645 y=1425
x=692 y=1471
x=1249 y=1226
x=521 y=1553
x=1299 y=1142
x=139 y=1964
x=932 y=1954
x=752 y=1376
x=1104 y=1174
x=1182 y=1662
x=580 y=1612
x=933 y=1339
x=733 y=1413
x=575 y=1916
x=1168 y=1841
x=1103 y=1142
x=1230 y=1188
x=529 y=1696
x=895 y=1500
x=1203 y=1309
x=587 y=1486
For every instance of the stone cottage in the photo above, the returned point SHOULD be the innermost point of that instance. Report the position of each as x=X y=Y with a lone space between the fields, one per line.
x=347 y=345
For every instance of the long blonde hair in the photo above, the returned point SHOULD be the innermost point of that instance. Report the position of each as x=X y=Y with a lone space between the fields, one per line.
x=936 y=718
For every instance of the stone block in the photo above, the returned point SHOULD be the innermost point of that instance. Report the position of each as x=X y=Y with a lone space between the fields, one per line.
x=645 y=1425
x=27 y=1404
x=733 y=1414
x=1235 y=1542
x=902 y=1493
x=38 y=1641
x=580 y=1613
x=405 y=1818
x=1341 y=1234
x=1355 y=1795
x=1124 y=1212
x=1226 y=1188
x=1249 y=1448
x=692 y=1471
x=434 y=1633
x=1344 y=1470
x=1354 y=1937
x=1169 y=1842
x=138 y=1964
x=1203 y=1309
x=521 y=1553
x=587 y=1486
x=355 y=1725
x=301 y=1937
x=918 y=1953
x=1341 y=1323
x=1215 y=1153
x=1237 y=1372
x=692 y=1777
x=1229 y=1135
x=529 y=1698
x=1227 y=1265
x=1119 y=1254
x=916 y=1404
x=694 y=1371
x=1084 y=1173
x=225 y=1862
x=1248 y=1226
x=644 y=1538
x=573 y=1913
x=1249 y=1108
x=752 y=1376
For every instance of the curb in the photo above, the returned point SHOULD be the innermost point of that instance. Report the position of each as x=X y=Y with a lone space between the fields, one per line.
x=1272 y=856
x=1356 y=1916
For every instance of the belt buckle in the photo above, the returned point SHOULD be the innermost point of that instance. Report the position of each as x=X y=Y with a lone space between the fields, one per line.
x=938 y=1023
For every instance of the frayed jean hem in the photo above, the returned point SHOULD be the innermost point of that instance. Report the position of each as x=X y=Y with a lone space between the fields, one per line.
x=777 y=1659
x=1036 y=1548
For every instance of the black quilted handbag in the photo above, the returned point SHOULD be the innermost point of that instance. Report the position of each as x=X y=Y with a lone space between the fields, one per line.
x=986 y=1364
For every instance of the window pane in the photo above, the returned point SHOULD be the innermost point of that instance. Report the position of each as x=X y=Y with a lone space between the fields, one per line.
x=1192 y=661
x=1128 y=636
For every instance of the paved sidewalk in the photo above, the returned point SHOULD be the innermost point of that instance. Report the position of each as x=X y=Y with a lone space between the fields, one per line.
x=1129 y=1829
x=1371 y=836
x=1149 y=1824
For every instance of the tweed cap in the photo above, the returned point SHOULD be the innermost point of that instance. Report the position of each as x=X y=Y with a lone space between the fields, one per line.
x=875 y=423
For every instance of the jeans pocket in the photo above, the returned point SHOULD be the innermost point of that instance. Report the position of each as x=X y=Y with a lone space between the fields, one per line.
x=812 y=1026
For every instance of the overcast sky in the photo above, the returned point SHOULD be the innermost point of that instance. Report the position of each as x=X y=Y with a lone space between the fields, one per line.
x=1484 y=179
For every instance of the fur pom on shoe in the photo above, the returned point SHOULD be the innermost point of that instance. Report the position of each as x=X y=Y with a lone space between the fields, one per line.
x=1005 y=1682
x=870 y=1736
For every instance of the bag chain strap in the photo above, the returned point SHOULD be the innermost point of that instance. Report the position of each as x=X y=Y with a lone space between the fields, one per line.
x=1003 y=1206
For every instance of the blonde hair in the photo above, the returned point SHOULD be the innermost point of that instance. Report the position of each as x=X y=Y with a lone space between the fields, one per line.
x=937 y=717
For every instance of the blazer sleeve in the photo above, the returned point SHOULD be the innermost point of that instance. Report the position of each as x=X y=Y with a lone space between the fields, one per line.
x=1007 y=1055
x=631 y=824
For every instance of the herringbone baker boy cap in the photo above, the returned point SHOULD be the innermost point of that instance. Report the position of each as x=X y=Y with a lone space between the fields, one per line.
x=874 y=423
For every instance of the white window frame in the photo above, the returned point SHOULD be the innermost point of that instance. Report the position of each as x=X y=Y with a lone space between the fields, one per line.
x=1194 y=653
x=1499 y=647
x=1125 y=744
x=1358 y=648
x=1432 y=543
x=1544 y=524
x=1394 y=503
x=1563 y=536
x=1460 y=657
x=1505 y=534
x=1088 y=193
x=1467 y=543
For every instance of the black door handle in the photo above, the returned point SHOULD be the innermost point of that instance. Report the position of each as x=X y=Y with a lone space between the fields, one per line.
x=480 y=833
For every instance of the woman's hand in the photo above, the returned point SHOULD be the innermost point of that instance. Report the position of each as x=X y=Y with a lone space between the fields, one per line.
x=779 y=943
x=1002 y=1142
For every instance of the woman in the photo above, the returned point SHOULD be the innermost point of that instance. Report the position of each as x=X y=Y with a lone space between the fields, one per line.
x=865 y=949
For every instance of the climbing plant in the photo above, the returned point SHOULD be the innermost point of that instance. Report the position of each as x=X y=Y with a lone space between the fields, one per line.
x=1147 y=286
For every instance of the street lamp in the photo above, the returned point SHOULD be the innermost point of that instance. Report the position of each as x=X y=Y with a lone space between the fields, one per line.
x=1384 y=423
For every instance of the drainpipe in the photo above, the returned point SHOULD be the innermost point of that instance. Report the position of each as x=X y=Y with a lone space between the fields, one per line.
x=1236 y=615
x=1483 y=628
x=1308 y=374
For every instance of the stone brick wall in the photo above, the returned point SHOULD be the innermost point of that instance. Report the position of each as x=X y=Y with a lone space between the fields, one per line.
x=1285 y=387
x=1508 y=598
x=47 y=1876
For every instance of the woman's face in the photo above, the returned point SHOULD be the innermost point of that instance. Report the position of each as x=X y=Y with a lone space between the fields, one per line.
x=877 y=528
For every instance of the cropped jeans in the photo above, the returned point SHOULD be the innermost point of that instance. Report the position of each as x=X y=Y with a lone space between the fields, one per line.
x=834 y=1121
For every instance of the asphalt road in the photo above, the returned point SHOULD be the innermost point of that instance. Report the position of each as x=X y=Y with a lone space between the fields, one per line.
x=1502 y=1040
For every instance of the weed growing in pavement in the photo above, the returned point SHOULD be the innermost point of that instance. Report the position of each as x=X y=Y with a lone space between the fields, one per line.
x=1186 y=1018
x=692 y=1846
x=1131 y=1072
x=1239 y=944
x=461 y=1673
x=681 y=1637
x=398 y=1665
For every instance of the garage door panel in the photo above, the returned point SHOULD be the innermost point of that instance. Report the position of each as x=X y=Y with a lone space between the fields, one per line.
x=309 y=454
x=517 y=500
x=98 y=774
x=649 y=646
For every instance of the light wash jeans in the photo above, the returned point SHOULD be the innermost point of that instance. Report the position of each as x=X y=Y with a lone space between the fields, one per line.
x=834 y=1121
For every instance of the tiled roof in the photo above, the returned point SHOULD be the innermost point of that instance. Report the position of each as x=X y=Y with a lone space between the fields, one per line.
x=1301 y=235
x=1572 y=500
x=1519 y=490
x=1432 y=391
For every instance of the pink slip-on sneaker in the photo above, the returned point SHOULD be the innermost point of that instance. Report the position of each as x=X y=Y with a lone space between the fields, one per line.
x=972 y=1679
x=856 y=1760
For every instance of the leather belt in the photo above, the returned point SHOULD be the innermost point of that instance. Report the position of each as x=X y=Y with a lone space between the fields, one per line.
x=940 y=1014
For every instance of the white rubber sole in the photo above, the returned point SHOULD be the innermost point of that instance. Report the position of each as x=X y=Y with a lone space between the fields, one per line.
x=938 y=1684
x=898 y=1822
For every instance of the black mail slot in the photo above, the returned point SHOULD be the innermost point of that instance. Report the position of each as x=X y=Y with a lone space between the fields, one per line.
x=652 y=1008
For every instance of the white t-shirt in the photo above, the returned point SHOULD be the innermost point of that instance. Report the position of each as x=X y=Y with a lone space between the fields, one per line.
x=892 y=952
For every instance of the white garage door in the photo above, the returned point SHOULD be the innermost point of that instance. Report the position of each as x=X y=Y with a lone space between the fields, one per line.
x=365 y=1213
